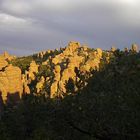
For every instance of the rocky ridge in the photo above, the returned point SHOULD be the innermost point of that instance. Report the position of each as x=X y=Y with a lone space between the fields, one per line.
x=65 y=65
x=49 y=72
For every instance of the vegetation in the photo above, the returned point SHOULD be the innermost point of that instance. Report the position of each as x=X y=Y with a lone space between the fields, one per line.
x=108 y=108
x=22 y=62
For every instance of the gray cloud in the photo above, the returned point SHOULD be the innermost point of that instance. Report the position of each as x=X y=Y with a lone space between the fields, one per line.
x=30 y=26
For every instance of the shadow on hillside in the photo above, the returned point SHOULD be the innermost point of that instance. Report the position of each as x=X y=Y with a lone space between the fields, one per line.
x=13 y=98
x=1 y=104
x=108 y=108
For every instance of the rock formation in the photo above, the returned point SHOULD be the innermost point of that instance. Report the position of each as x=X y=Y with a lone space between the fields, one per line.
x=3 y=63
x=10 y=81
x=30 y=74
x=40 y=84
x=4 y=58
x=26 y=89
x=52 y=70
x=73 y=56
x=134 y=48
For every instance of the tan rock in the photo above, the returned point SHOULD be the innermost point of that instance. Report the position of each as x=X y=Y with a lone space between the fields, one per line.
x=40 y=84
x=54 y=89
x=99 y=52
x=33 y=67
x=75 y=61
x=62 y=86
x=32 y=70
x=94 y=64
x=3 y=63
x=85 y=68
x=56 y=60
x=48 y=51
x=113 y=49
x=7 y=56
x=66 y=75
x=45 y=62
x=57 y=69
x=26 y=89
x=95 y=54
x=10 y=81
x=85 y=47
x=47 y=79
x=134 y=47
x=71 y=48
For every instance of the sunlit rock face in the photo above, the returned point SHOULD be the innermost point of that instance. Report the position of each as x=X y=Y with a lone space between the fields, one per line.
x=26 y=89
x=3 y=63
x=68 y=60
x=10 y=81
x=33 y=69
x=29 y=76
x=71 y=48
x=40 y=84
x=4 y=59
x=63 y=64
x=134 y=48
x=74 y=56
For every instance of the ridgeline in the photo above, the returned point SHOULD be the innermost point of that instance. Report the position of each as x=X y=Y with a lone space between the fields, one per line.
x=71 y=93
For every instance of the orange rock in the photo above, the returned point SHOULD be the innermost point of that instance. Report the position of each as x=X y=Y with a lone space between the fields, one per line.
x=3 y=63
x=54 y=89
x=40 y=84
x=10 y=81
x=32 y=69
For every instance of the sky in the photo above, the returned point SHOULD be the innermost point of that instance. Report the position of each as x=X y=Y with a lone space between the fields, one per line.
x=29 y=26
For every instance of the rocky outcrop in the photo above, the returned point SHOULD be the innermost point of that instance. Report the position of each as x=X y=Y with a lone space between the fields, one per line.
x=32 y=70
x=74 y=56
x=26 y=89
x=64 y=65
x=3 y=63
x=10 y=81
x=40 y=84
x=30 y=74
x=4 y=58
x=134 y=48
x=54 y=86
x=43 y=53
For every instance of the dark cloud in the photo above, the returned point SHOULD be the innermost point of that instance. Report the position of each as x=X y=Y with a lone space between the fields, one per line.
x=30 y=26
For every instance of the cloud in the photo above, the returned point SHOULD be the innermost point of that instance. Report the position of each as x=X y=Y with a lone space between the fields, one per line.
x=44 y=24
x=15 y=6
x=6 y=19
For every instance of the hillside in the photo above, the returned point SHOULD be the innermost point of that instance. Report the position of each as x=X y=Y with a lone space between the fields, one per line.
x=48 y=72
x=69 y=93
